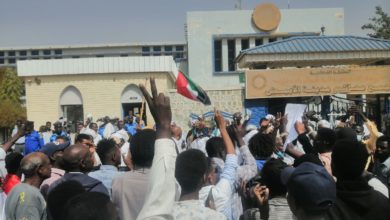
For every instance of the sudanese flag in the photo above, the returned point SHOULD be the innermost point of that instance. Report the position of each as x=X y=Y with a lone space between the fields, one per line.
x=186 y=87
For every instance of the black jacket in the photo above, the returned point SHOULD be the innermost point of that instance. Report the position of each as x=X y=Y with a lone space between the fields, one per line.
x=357 y=200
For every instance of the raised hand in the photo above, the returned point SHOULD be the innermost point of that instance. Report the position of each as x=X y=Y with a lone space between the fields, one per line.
x=160 y=109
x=219 y=119
x=300 y=127
x=261 y=193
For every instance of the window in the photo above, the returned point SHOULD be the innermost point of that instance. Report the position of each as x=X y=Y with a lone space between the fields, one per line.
x=24 y=58
x=244 y=44
x=218 y=55
x=46 y=52
x=168 y=50
x=35 y=52
x=231 y=54
x=100 y=55
x=124 y=55
x=11 y=61
x=58 y=52
x=157 y=51
x=179 y=48
x=145 y=51
x=75 y=57
x=179 y=55
x=272 y=40
x=1 y=53
x=258 y=41
x=11 y=53
x=22 y=53
x=1 y=61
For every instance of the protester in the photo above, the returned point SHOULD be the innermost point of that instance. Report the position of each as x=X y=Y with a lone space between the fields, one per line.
x=355 y=198
x=111 y=157
x=87 y=140
x=58 y=131
x=124 y=147
x=381 y=167
x=12 y=164
x=93 y=129
x=177 y=136
x=33 y=141
x=77 y=161
x=262 y=146
x=270 y=194
x=19 y=144
x=90 y=206
x=59 y=196
x=128 y=190
x=54 y=152
x=131 y=125
x=311 y=190
x=220 y=191
x=25 y=201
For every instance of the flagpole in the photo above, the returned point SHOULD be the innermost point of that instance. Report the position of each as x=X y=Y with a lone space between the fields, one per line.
x=142 y=104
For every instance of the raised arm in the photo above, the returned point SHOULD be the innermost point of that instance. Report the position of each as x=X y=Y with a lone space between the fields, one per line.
x=21 y=132
x=162 y=186
x=249 y=168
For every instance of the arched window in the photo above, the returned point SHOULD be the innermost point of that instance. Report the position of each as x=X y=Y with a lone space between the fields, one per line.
x=71 y=105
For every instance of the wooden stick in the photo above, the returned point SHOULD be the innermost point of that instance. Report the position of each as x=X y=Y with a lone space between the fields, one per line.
x=142 y=106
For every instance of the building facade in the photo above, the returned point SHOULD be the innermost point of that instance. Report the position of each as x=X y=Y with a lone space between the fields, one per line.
x=73 y=88
x=215 y=38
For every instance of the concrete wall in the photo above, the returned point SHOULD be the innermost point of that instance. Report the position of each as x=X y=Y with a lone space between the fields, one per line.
x=204 y=26
x=101 y=93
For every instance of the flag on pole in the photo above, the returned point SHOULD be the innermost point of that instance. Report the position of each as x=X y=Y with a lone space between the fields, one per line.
x=186 y=87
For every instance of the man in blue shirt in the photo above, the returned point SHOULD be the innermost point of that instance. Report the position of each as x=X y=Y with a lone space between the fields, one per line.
x=110 y=156
x=131 y=126
x=58 y=131
x=33 y=140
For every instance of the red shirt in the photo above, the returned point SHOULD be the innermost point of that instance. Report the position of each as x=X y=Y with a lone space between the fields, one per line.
x=10 y=181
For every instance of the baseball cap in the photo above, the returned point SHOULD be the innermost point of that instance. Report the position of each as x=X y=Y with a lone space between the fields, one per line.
x=311 y=186
x=50 y=148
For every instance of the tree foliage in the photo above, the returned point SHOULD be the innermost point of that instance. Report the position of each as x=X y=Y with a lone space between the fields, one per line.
x=10 y=86
x=10 y=112
x=10 y=92
x=380 y=24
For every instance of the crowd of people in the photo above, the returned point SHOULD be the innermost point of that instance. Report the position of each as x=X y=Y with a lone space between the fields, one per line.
x=120 y=169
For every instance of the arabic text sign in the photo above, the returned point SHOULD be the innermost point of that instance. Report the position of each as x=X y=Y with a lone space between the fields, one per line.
x=317 y=81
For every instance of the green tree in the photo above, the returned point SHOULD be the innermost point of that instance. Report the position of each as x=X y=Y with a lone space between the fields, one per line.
x=380 y=24
x=10 y=92
x=10 y=86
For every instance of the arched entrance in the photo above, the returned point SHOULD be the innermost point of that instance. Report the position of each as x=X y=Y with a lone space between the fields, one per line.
x=131 y=100
x=71 y=105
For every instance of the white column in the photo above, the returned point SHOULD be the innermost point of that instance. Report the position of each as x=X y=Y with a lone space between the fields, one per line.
x=265 y=40
x=252 y=42
x=225 y=61
x=238 y=46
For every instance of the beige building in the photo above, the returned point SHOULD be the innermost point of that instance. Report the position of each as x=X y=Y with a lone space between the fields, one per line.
x=73 y=88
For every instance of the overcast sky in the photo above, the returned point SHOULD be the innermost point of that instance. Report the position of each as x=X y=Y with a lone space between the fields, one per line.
x=70 y=22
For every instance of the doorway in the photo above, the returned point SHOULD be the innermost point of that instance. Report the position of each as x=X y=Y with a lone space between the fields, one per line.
x=136 y=108
x=131 y=100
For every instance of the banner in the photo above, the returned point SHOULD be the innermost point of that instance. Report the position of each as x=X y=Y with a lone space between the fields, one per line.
x=300 y=82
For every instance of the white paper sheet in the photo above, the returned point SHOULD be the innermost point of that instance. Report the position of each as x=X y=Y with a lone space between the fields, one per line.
x=294 y=113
